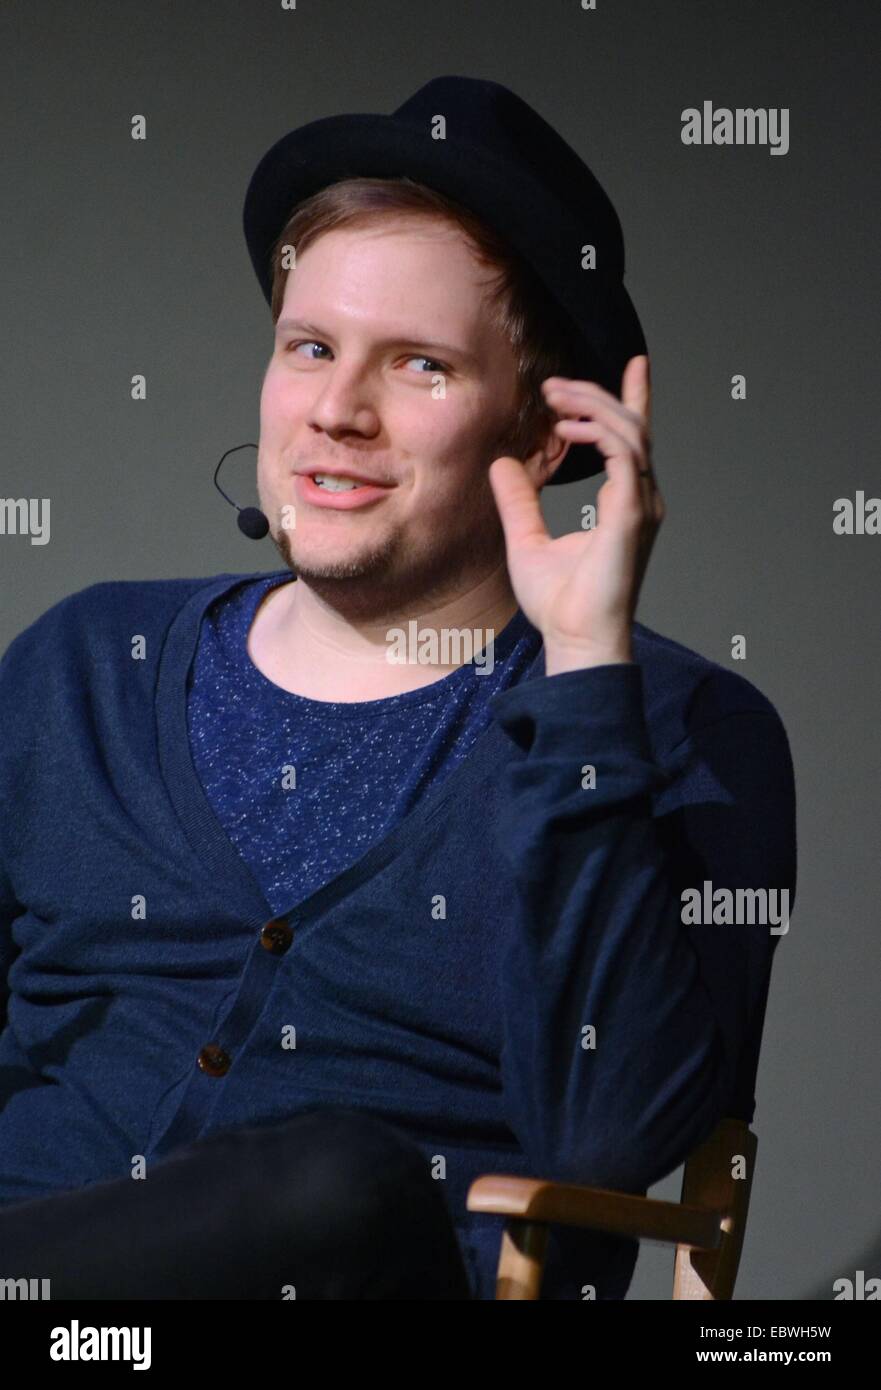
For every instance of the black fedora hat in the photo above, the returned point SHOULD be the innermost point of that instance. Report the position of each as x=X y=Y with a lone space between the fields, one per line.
x=505 y=163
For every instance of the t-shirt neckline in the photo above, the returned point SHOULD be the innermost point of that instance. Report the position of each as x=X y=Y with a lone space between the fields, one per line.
x=517 y=627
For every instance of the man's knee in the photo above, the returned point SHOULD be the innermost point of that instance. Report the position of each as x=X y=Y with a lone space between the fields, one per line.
x=350 y=1167
x=353 y=1200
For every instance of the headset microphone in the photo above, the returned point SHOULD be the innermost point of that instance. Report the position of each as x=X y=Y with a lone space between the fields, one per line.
x=252 y=522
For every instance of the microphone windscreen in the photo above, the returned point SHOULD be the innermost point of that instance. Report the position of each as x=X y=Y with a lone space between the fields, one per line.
x=253 y=523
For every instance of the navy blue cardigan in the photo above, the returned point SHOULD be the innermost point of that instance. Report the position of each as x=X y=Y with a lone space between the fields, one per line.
x=447 y=981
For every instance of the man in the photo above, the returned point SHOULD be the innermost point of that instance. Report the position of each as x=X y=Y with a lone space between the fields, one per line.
x=301 y=939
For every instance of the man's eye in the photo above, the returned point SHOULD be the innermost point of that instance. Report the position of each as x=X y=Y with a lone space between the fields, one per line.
x=304 y=342
x=433 y=366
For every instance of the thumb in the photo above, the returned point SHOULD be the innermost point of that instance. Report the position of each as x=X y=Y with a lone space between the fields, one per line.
x=518 y=502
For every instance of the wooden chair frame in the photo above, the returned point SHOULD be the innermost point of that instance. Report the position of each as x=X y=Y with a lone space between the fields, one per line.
x=707 y=1226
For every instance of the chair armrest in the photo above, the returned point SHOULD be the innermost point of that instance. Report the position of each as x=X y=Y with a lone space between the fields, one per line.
x=622 y=1213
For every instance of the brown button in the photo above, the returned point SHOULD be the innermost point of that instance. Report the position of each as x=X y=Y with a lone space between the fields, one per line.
x=276 y=937
x=214 y=1060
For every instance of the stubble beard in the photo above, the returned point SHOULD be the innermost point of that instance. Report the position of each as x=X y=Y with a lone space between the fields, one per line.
x=384 y=583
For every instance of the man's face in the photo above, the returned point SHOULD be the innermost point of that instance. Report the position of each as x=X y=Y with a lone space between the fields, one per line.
x=352 y=384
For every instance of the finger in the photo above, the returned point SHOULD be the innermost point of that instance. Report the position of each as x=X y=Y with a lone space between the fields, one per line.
x=636 y=395
x=579 y=403
x=518 y=503
x=628 y=419
x=636 y=400
x=587 y=392
x=601 y=433
x=630 y=500
x=587 y=397
x=634 y=484
x=612 y=442
x=636 y=389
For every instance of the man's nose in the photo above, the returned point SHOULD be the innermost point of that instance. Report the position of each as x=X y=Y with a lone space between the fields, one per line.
x=345 y=401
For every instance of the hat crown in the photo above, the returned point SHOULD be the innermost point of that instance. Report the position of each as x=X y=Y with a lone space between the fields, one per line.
x=488 y=115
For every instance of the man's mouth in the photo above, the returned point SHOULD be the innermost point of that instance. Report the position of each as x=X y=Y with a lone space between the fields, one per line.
x=340 y=491
x=334 y=483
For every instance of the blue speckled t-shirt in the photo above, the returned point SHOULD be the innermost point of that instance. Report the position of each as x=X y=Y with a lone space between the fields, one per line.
x=359 y=768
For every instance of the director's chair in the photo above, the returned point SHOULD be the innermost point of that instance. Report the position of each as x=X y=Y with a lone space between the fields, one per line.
x=706 y=1226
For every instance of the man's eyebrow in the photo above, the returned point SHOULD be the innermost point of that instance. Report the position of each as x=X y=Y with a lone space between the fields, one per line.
x=302 y=325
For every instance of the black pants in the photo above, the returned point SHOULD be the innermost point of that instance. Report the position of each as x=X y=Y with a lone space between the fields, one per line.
x=334 y=1203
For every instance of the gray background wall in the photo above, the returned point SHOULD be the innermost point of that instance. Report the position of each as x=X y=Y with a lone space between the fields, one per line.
x=119 y=257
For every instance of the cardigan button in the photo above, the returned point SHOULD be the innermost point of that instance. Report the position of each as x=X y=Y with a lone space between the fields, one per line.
x=214 y=1060
x=276 y=936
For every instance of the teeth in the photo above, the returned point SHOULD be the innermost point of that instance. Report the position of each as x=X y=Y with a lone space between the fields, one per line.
x=334 y=484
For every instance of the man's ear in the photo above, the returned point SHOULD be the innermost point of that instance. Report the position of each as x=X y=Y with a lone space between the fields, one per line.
x=543 y=463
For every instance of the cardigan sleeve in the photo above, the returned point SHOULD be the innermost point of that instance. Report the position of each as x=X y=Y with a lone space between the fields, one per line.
x=14 y=722
x=23 y=678
x=9 y=910
x=30 y=669
x=12 y=716
x=624 y=1022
